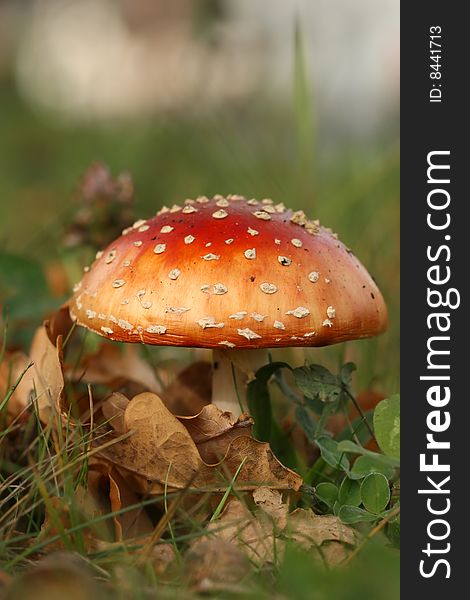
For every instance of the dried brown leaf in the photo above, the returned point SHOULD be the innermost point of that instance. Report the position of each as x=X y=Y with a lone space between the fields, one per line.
x=212 y=430
x=333 y=539
x=161 y=451
x=113 y=410
x=262 y=535
x=47 y=373
x=310 y=529
x=59 y=324
x=46 y=376
x=111 y=492
x=254 y=536
x=260 y=467
x=270 y=502
x=160 y=448
x=130 y=524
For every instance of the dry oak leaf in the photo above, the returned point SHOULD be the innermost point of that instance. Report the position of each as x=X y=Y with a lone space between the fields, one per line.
x=260 y=467
x=333 y=539
x=270 y=502
x=45 y=378
x=262 y=536
x=254 y=536
x=47 y=373
x=109 y=489
x=311 y=529
x=59 y=323
x=212 y=430
x=160 y=450
x=113 y=409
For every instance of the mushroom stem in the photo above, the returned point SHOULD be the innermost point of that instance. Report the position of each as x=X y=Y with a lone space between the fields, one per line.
x=232 y=371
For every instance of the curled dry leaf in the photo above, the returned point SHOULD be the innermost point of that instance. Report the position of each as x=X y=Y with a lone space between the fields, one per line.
x=212 y=430
x=333 y=539
x=270 y=502
x=311 y=529
x=260 y=467
x=113 y=366
x=262 y=535
x=254 y=536
x=160 y=450
x=47 y=373
x=113 y=410
x=112 y=492
x=45 y=378
x=59 y=324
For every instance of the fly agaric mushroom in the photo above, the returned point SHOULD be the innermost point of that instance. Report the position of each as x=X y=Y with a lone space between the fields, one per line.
x=232 y=275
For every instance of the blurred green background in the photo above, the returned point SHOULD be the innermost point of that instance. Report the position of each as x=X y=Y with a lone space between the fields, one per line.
x=279 y=127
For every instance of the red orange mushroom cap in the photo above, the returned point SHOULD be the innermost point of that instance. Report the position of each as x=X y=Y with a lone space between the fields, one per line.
x=229 y=272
